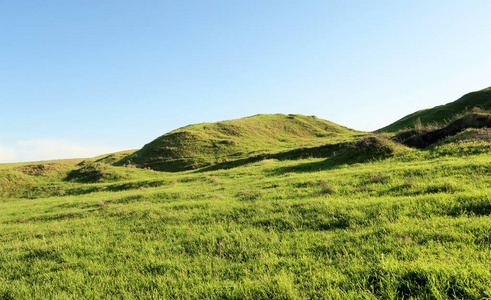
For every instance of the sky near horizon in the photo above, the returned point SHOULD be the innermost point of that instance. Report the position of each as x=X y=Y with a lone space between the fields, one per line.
x=83 y=78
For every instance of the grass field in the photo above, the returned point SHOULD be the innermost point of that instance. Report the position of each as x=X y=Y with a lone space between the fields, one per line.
x=415 y=224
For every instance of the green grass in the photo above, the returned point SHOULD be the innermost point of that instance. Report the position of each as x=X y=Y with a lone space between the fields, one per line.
x=265 y=207
x=207 y=144
x=443 y=113
x=71 y=162
x=402 y=224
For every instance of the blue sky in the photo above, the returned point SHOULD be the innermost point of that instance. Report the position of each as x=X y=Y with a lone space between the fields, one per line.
x=81 y=78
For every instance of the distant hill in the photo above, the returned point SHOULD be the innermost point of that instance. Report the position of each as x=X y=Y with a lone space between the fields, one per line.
x=443 y=113
x=477 y=125
x=205 y=144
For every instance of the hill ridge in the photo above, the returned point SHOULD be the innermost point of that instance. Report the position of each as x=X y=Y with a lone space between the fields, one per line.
x=442 y=113
x=204 y=144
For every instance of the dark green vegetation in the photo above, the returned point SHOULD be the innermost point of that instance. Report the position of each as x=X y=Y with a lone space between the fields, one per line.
x=321 y=212
x=425 y=136
x=443 y=113
x=200 y=145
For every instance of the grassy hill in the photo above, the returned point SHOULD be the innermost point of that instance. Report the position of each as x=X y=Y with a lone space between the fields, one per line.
x=425 y=136
x=443 y=113
x=280 y=207
x=205 y=144
x=412 y=225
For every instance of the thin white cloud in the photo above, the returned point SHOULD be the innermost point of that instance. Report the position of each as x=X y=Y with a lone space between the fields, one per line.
x=7 y=155
x=44 y=149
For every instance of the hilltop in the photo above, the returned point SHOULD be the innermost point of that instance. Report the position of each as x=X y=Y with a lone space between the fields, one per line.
x=205 y=144
x=208 y=144
x=443 y=113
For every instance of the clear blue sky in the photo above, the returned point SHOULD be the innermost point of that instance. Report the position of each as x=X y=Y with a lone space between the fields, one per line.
x=79 y=78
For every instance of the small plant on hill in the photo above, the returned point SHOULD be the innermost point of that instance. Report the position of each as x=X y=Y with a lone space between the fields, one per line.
x=328 y=188
x=373 y=146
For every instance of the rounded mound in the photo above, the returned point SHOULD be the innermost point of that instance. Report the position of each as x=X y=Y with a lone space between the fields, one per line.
x=201 y=145
x=94 y=172
x=369 y=148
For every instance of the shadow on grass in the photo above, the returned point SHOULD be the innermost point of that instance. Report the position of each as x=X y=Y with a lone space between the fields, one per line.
x=301 y=153
x=367 y=149
x=424 y=137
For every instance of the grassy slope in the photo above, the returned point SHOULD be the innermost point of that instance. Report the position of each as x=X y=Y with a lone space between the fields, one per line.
x=71 y=162
x=416 y=225
x=111 y=158
x=107 y=158
x=289 y=207
x=423 y=137
x=443 y=113
x=40 y=178
x=206 y=144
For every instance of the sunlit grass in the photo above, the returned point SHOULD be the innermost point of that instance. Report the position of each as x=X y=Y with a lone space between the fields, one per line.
x=412 y=225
